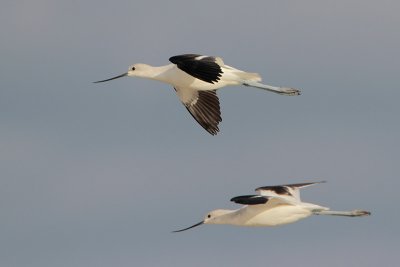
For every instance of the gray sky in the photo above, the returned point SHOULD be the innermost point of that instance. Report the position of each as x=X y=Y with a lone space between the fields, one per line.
x=100 y=174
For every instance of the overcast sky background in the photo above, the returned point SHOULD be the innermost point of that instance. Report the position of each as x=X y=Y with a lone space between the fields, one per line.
x=100 y=174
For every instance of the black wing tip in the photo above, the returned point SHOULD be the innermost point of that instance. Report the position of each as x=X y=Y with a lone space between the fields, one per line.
x=206 y=111
x=212 y=131
x=298 y=185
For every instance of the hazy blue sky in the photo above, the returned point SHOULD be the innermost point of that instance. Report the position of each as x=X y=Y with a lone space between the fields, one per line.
x=100 y=174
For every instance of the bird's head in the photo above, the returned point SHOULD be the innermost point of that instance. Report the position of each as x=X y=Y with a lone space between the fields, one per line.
x=216 y=216
x=213 y=217
x=136 y=70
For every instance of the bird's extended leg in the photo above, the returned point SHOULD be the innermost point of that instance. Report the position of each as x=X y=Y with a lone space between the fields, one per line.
x=353 y=213
x=274 y=89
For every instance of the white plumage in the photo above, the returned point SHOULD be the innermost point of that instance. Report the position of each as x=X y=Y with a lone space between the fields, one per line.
x=274 y=205
x=196 y=79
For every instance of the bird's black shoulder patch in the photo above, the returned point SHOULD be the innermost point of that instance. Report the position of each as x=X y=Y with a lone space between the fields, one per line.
x=180 y=58
x=201 y=67
x=250 y=199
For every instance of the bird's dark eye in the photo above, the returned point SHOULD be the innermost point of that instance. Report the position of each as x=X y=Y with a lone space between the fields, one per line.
x=133 y=68
x=209 y=216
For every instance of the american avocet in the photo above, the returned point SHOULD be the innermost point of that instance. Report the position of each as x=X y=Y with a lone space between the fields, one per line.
x=196 y=79
x=274 y=205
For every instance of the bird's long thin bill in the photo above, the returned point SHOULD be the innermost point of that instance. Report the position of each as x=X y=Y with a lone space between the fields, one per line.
x=113 y=78
x=197 y=224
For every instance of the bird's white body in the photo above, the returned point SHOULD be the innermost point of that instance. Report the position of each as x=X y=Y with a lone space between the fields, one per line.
x=278 y=215
x=196 y=79
x=172 y=75
x=271 y=214
x=273 y=206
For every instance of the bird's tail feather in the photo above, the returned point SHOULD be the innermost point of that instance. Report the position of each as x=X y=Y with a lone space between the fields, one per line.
x=353 y=213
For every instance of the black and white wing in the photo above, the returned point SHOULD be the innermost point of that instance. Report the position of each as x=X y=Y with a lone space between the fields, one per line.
x=203 y=106
x=288 y=191
x=205 y=68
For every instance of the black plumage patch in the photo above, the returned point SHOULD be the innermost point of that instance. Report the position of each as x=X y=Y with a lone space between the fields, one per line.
x=284 y=189
x=205 y=69
x=300 y=185
x=250 y=199
x=278 y=189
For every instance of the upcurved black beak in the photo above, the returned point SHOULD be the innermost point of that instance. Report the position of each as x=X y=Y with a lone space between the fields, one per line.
x=197 y=224
x=113 y=78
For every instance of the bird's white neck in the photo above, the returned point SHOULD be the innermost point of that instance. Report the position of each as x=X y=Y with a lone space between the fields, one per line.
x=155 y=73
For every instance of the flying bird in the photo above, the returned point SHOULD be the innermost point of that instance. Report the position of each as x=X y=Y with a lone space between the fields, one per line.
x=196 y=79
x=272 y=206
